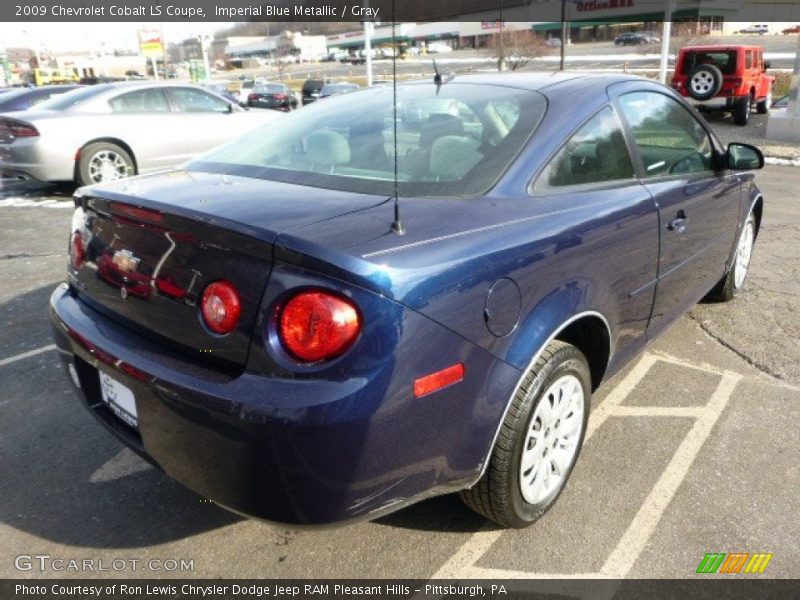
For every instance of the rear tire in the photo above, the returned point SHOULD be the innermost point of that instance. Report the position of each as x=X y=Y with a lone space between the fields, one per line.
x=539 y=440
x=763 y=106
x=742 y=110
x=103 y=161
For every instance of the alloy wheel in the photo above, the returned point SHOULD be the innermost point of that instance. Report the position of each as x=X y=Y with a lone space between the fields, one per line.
x=553 y=437
x=107 y=165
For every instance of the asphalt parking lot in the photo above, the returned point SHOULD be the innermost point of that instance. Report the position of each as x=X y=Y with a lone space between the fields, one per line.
x=692 y=449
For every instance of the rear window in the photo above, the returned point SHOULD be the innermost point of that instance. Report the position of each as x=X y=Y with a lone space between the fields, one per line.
x=455 y=141
x=71 y=99
x=725 y=61
x=274 y=88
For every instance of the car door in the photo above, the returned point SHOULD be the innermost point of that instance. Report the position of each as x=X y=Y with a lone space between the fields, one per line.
x=698 y=204
x=204 y=120
x=143 y=120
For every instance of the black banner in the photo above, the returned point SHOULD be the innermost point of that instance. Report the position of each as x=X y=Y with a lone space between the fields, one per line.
x=594 y=11
x=733 y=588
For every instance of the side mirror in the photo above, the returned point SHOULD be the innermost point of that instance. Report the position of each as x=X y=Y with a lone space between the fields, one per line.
x=744 y=157
x=767 y=65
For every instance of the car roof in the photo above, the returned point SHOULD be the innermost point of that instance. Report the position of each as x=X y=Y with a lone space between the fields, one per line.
x=537 y=81
x=718 y=48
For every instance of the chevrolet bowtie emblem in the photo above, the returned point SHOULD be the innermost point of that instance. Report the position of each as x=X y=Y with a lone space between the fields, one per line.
x=125 y=261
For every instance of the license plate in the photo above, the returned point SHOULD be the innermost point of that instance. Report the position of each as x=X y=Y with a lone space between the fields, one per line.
x=119 y=399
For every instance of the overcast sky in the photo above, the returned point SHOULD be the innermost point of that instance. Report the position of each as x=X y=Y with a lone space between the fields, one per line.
x=60 y=37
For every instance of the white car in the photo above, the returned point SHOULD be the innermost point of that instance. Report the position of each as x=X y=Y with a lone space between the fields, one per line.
x=114 y=130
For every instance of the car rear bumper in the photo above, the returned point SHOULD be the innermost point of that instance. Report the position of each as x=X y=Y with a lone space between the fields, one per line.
x=26 y=158
x=264 y=447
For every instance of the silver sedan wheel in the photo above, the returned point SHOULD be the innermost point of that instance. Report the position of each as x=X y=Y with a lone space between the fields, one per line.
x=702 y=82
x=107 y=165
x=743 y=253
x=553 y=437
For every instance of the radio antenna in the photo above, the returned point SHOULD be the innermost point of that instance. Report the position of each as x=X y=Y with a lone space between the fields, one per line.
x=397 y=224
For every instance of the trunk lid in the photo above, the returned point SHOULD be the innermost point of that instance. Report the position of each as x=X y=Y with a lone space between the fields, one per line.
x=153 y=244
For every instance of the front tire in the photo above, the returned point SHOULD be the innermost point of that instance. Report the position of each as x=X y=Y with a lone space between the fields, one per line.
x=103 y=161
x=742 y=110
x=539 y=441
x=733 y=281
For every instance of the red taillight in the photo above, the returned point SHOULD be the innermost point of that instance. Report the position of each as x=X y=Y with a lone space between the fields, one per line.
x=280 y=96
x=436 y=381
x=316 y=326
x=21 y=129
x=77 y=254
x=221 y=307
x=253 y=97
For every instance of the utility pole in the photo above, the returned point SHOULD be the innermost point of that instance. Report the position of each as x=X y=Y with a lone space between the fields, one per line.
x=368 y=50
x=666 y=34
x=564 y=35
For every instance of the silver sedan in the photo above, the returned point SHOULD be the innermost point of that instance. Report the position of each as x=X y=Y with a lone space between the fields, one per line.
x=111 y=131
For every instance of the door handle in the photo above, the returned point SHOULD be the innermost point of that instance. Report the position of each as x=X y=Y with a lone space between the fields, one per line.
x=678 y=224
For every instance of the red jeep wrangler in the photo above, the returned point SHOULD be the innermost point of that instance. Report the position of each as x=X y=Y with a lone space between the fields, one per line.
x=729 y=78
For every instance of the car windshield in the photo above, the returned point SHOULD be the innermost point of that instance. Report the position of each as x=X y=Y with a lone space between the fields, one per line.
x=70 y=99
x=270 y=88
x=453 y=141
x=724 y=61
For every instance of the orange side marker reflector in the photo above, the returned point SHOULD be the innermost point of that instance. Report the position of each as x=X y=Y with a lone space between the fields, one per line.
x=436 y=381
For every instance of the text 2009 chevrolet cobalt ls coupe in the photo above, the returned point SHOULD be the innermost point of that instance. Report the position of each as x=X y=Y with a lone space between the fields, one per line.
x=256 y=326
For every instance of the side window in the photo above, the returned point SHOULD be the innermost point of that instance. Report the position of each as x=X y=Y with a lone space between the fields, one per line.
x=140 y=101
x=669 y=139
x=192 y=100
x=749 y=59
x=595 y=153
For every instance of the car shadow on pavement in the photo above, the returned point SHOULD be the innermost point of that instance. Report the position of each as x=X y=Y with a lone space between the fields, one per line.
x=64 y=477
x=442 y=513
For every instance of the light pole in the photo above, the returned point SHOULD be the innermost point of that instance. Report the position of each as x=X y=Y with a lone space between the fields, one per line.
x=666 y=34
x=204 y=39
x=368 y=50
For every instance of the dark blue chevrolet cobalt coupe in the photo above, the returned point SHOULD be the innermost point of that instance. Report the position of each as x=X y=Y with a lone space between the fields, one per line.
x=376 y=301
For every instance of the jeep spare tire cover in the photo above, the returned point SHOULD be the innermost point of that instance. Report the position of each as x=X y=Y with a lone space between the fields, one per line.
x=704 y=82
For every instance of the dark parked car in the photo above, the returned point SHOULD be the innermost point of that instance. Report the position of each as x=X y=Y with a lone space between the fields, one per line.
x=633 y=39
x=276 y=96
x=255 y=325
x=24 y=98
x=221 y=89
x=335 y=89
x=311 y=90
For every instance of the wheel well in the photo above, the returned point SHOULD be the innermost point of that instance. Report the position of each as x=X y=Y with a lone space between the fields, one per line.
x=590 y=335
x=110 y=140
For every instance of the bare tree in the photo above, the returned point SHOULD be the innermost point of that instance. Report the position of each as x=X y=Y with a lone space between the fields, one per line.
x=686 y=34
x=516 y=48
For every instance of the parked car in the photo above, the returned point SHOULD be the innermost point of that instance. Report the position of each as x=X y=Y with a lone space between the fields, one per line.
x=25 y=98
x=782 y=102
x=246 y=85
x=759 y=28
x=311 y=90
x=792 y=29
x=276 y=96
x=134 y=75
x=728 y=78
x=632 y=39
x=553 y=42
x=113 y=131
x=335 y=89
x=438 y=47
x=221 y=89
x=253 y=325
